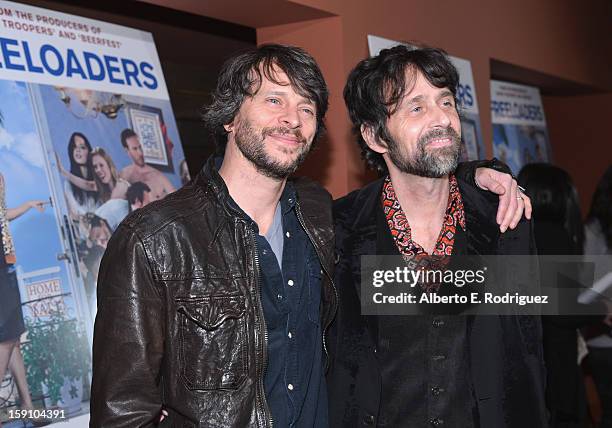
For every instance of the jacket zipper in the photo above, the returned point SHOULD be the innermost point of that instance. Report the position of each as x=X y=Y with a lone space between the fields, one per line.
x=325 y=327
x=266 y=409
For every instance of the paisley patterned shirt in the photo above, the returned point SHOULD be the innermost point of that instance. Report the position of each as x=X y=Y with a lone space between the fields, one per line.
x=402 y=235
x=400 y=229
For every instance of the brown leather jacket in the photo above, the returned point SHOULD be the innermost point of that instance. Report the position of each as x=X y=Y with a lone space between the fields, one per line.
x=180 y=323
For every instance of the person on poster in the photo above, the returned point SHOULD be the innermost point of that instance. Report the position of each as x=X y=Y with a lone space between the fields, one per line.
x=138 y=195
x=100 y=231
x=81 y=199
x=112 y=189
x=240 y=262
x=540 y=141
x=426 y=370
x=106 y=181
x=139 y=171
x=109 y=187
x=11 y=316
x=114 y=211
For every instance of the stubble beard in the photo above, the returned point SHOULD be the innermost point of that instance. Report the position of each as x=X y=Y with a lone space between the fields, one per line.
x=251 y=144
x=433 y=163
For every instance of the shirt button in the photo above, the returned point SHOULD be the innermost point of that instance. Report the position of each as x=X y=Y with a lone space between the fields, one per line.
x=436 y=422
x=438 y=323
x=264 y=252
x=290 y=387
x=290 y=335
x=439 y=357
x=279 y=296
x=287 y=234
x=290 y=283
x=435 y=391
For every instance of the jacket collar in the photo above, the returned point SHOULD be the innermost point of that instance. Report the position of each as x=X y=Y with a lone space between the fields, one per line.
x=364 y=208
x=209 y=179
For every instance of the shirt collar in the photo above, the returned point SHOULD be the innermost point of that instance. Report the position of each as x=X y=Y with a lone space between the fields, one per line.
x=400 y=228
x=455 y=203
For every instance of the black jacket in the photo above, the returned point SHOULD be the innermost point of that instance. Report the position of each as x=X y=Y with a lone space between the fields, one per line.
x=505 y=351
x=180 y=322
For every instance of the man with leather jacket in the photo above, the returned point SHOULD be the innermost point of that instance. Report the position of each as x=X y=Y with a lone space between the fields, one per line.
x=213 y=303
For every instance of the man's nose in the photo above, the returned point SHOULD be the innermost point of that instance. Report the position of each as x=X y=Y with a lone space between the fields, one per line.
x=440 y=117
x=290 y=118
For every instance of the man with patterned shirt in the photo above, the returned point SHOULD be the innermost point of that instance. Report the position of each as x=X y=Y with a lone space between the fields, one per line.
x=426 y=370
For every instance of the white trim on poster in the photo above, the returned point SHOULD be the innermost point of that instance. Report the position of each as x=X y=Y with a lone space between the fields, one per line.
x=48 y=47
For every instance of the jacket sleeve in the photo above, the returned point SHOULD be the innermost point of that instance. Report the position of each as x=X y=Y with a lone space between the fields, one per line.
x=128 y=337
x=466 y=171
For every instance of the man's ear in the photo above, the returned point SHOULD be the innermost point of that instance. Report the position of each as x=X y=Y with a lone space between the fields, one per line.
x=373 y=142
x=229 y=127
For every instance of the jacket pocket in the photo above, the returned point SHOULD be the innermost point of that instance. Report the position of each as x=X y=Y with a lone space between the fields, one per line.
x=213 y=341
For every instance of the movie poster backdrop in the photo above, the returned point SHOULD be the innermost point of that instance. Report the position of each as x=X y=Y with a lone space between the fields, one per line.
x=520 y=135
x=87 y=135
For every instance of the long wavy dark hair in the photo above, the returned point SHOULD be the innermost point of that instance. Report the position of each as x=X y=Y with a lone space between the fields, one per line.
x=554 y=200
x=601 y=205
x=75 y=168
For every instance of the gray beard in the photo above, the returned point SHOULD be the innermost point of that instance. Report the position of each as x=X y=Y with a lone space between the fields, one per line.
x=430 y=164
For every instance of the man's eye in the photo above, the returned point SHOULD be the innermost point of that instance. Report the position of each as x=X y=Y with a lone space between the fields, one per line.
x=449 y=103
x=274 y=100
x=416 y=109
x=308 y=111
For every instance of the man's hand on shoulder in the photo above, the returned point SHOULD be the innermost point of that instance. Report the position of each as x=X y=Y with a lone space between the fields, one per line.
x=512 y=201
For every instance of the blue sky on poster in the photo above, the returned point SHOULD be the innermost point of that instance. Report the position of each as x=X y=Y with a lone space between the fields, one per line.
x=18 y=134
x=22 y=164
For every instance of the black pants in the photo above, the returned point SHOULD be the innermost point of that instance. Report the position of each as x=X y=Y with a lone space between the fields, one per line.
x=600 y=362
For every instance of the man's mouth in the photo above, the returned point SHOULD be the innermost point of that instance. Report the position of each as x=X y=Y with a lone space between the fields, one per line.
x=286 y=138
x=440 y=142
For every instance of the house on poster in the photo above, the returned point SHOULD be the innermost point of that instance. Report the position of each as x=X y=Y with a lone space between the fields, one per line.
x=520 y=135
x=471 y=134
x=79 y=98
